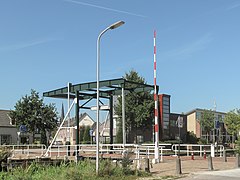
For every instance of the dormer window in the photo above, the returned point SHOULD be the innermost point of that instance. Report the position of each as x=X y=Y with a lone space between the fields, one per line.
x=12 y=121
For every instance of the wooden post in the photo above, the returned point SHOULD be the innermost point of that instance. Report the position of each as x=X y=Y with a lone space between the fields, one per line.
x=178 y=166
x=146 y=165
x=224 y=156
x=210 y=164
x=237 y=161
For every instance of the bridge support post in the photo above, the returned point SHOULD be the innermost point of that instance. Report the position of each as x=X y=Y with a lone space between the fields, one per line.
x=77 y=121
x=111 y=119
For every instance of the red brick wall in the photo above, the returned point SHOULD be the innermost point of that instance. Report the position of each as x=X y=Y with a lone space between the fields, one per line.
x=198 y=129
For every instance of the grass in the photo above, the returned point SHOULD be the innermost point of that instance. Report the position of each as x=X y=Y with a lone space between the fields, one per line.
x=83 y=170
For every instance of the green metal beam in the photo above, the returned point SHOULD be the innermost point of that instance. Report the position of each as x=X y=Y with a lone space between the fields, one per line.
x=106 y=88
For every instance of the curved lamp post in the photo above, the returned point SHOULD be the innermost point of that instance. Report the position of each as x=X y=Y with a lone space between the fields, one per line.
x=113 y=26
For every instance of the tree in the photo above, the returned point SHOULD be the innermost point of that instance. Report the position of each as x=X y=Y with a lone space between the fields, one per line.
x=232 y=121
x=139 y=107
x=35 y=115
x=207 y=121
x=86 y=135
x=119 y=135
x=82 y=131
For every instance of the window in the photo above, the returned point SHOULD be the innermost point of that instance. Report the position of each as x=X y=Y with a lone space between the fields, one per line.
x=165 y=127
x=5 y=139
x=166 y=115
x=198 y=115
x=166 y=103
x=220 y=118
x=166 y=123
x=140 y=139
x=173 y=123
x=165 y=119
x=12 y=121
x=166 y=99
x=165 y=110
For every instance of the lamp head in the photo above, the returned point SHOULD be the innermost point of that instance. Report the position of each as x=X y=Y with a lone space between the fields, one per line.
x=116 y=24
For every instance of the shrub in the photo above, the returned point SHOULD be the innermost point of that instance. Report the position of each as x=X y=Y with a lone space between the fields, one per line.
x=4 y=154
x=237 y=146
x=202 y=141
x=83 y=170
x=126 y=162
x=191 y=138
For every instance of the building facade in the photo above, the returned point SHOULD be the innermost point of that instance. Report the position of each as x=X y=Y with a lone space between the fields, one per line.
x=84 y=121
x=218 y=133
x=175 y=130
x=8 y=130
x=164 y=116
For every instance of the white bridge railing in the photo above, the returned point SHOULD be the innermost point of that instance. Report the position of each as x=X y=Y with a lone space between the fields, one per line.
x=144 y=150
x=28 y=150
x=137 y=150
x=198 y=149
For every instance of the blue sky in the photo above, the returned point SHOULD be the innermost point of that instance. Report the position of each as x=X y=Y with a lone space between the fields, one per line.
x=46 y=44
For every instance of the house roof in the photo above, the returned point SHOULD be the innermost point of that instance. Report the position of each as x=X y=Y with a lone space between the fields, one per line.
x=104 y=128
x=5 y=118
x=81 y=118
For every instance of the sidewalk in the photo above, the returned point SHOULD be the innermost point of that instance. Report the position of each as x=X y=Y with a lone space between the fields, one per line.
x=189 y=166
x=233 y=174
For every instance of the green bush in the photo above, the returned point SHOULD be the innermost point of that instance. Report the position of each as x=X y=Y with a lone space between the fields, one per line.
x=202 y=141
x=83 y=170
x=191 y=138
x=237 y=146
x=4 y=154
x=173 y=141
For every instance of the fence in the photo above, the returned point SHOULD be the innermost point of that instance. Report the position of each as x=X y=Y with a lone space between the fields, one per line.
x=143 y=150
x=198 y=149
x=28 y=150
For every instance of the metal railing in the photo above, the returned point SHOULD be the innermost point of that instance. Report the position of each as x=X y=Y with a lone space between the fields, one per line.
x=88 y=149
x=197 y=149
x=141 y=150
x=137 y=152
x=28 y=149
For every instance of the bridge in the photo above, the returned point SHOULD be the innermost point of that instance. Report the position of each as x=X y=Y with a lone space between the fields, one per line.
x=114 y=151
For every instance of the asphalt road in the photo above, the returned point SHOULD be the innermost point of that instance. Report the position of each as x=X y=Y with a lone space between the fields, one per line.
x=233 y=174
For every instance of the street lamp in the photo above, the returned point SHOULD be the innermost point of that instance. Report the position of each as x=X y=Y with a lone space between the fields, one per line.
x=113 y=26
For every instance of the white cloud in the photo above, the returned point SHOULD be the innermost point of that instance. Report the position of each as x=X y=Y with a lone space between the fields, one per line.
x=104 y=8
x=233 y=6
x=23 y=45
x=190 y=48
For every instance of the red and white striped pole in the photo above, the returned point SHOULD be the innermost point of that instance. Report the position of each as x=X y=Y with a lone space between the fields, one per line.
x=156 y=150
